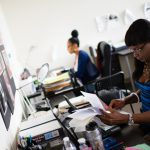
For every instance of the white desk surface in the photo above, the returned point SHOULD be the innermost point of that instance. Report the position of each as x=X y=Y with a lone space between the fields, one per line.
x=31 y=122
x=41 y=129
x=124 y=52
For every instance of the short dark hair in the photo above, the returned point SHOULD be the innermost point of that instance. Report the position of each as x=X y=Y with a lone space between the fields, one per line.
x=74 y=39
x=138 y=33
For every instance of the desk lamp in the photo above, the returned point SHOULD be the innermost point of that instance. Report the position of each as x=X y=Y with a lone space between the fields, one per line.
x=42 y=74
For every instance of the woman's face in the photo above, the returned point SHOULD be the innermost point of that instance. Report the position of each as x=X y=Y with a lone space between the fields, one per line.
x=71 y=47
x=141 y=52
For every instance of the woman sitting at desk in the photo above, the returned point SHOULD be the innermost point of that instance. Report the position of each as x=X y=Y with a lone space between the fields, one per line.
x=138 y=40
x=83 y=66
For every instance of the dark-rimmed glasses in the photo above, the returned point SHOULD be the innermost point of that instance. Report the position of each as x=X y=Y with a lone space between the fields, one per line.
x=137 y=49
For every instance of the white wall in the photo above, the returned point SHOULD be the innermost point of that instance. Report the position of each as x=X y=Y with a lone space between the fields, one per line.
x=45 y=25
x=8 y=138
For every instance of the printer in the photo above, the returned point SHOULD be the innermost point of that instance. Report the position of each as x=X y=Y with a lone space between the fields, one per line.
x=44 y=130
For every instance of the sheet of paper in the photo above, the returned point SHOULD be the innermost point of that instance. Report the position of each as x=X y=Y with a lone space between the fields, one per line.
x=79 y=123
x=101 y=23
x=62 y=77
x=82 y=114
x=123 y=112
x=129 y=17
x=102 y=125
x=79 y=100
x=93 y=100
x=80 y=129
x=147 y=10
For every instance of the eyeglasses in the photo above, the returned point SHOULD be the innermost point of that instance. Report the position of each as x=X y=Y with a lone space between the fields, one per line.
x=134 y=50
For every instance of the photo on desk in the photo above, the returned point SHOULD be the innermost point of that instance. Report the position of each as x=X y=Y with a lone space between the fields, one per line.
x=4 y=109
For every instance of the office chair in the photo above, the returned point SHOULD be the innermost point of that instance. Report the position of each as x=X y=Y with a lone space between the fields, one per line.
x=104 y=58
x=73 y=77
x=112 y=87
x=103 y=62
x=92 y=54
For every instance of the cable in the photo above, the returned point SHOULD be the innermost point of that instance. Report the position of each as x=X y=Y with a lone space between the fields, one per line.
x=68 y=132
x=69 y=103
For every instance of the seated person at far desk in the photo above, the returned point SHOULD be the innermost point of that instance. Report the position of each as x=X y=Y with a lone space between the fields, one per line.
x=85 y=70
x=138 y=40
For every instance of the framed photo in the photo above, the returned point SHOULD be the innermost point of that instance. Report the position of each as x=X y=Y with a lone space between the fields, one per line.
x=4 y=109
x=8 y=90
x=6 y=61
x=8 y=71
x=7 y=87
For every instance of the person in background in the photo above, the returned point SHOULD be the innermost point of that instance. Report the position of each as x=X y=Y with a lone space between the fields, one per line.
x=25 y=74
x=137 y=38
x=85 y=70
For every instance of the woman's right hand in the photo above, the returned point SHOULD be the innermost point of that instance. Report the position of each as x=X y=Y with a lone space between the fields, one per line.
x=117 y=104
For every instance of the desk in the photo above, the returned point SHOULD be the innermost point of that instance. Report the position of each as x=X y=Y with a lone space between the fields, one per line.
x=130 y=135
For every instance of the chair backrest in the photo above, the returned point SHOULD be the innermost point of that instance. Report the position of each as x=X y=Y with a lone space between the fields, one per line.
x=104 y=58
x=108 y=83
x=110 y=87
x=92 y=54
x=115 y=80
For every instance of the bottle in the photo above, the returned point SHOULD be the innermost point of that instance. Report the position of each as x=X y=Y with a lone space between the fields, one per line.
x=68 y=145
x=94 y=136
x=82 y=143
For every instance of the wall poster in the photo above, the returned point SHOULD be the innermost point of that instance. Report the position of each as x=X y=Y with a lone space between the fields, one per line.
x=7 y=88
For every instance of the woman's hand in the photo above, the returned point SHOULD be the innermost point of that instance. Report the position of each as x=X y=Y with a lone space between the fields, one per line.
x=116 y=104
x=114 y=117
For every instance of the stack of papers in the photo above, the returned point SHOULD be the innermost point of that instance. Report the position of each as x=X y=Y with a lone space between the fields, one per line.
x=57 y=82
x=79 y=101
x=83 y=116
